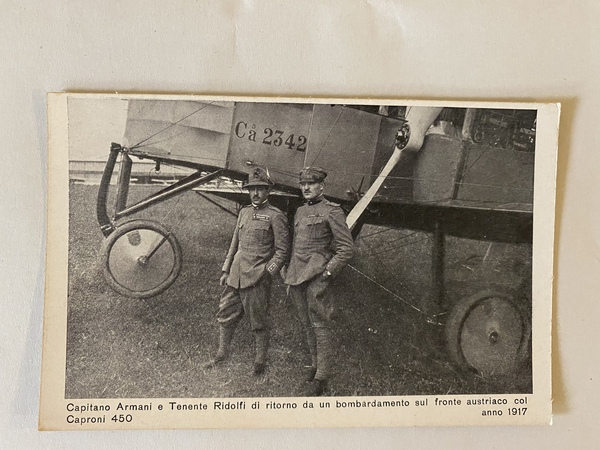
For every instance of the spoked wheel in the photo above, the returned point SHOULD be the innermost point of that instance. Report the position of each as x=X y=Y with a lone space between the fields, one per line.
x=489 y=333
x=141 y=259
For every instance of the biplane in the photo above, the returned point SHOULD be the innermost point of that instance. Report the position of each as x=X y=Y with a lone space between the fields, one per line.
x=462 y=172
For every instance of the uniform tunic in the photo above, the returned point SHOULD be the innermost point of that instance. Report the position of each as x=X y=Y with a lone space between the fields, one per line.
x=259 y=246
x=322 y=241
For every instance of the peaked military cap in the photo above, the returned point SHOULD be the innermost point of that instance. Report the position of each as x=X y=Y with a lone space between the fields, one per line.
x=312 y=175
x=258 y=177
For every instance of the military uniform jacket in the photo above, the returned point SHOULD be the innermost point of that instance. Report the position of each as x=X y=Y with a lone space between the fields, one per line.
x=322 y=241
x=260 y=244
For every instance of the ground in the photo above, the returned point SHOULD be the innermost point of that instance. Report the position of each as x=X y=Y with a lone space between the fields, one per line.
x=119 y=347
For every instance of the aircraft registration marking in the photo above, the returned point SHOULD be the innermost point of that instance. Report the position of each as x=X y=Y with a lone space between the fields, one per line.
x=269 y=136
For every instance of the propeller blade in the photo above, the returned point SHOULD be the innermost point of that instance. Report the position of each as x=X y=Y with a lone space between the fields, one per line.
x=419 y=119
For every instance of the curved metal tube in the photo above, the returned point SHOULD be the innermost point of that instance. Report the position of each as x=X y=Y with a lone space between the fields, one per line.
x=105 y=224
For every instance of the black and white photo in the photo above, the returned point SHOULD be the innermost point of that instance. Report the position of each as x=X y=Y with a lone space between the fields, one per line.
x=251 y=262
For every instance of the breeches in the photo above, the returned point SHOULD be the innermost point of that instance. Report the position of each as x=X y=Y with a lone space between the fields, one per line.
x=254 y=301
x=313 y=302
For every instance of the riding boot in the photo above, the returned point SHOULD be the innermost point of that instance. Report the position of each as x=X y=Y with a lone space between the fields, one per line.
x=261 y=345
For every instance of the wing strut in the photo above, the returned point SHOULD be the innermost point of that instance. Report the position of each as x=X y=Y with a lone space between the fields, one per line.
x=419 y=120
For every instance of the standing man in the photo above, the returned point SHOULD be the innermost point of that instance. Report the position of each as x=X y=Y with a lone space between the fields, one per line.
x=258 y=250
x=322 y=246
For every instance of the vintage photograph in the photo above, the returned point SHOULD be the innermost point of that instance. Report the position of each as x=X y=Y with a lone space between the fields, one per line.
x=232 y=249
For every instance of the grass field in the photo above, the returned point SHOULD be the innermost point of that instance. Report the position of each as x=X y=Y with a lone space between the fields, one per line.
x=119 y=347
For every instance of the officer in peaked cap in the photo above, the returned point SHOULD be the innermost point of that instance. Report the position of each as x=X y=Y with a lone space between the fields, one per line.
x=258 y=250
x=312 y=175
x=322 y=247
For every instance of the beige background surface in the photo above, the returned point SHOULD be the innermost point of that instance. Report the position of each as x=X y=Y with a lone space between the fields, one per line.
x=514 y=50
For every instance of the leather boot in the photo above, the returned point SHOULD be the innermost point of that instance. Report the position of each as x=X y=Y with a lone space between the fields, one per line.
x=310 y=374
x=312 y=347
x=225 y=337
x=261 y=345
x=316 y=388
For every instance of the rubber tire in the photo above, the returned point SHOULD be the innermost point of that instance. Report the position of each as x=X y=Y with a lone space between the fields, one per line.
x=459 y=314
x=140 y=224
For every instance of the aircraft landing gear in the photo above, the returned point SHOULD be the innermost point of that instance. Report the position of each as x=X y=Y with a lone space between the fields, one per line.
x=488 y=333
x=141 y=259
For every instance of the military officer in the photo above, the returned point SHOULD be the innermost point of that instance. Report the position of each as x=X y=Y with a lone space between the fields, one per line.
x=258 y=250
x=322 y=246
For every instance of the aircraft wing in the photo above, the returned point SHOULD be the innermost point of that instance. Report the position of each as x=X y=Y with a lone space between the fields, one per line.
x=470 y=220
